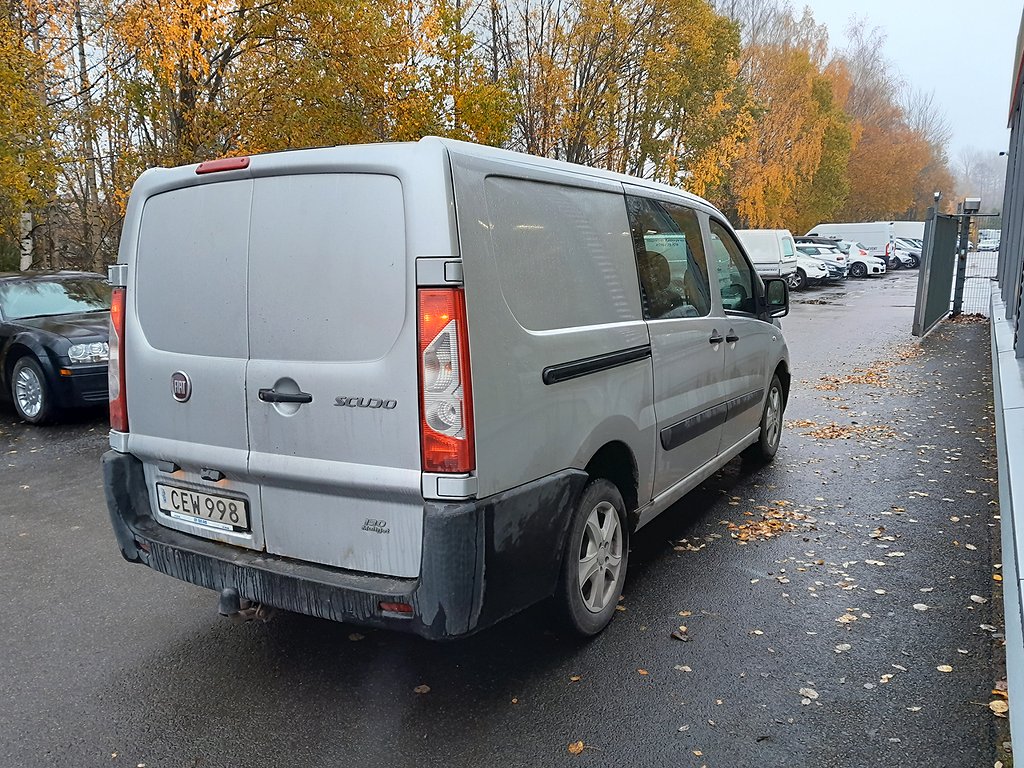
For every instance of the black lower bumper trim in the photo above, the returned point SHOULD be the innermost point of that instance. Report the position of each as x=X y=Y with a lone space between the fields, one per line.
x=482 y=560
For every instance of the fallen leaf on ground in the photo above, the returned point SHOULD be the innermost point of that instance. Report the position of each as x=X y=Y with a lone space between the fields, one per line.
x=421 y=689
x=999 y=706
x=355 y=637
x=575 y=678
x=944 y=668
x=643 y=672
x=843 y=647
x=847 y=618
x=978 y=599
x=920 y=607
x=809 y=693
x=576 y=748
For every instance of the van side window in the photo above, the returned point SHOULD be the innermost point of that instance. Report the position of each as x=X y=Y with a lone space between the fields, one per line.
x=563 y=254
x=735 y=275
x=670 y=258
x=787 y=247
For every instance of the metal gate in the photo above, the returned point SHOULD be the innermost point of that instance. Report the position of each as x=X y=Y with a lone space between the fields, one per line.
x=952 y=279
x=935 y=277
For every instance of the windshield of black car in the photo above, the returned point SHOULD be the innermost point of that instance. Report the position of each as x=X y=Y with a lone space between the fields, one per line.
x=40 y=298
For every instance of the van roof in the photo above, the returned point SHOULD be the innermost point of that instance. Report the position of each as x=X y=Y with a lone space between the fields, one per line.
x=468 y=149
x=385 y=153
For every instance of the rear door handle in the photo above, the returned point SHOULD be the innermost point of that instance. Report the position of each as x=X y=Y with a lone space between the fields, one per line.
x=716 y=338
x=731 y=337
x=273 y=396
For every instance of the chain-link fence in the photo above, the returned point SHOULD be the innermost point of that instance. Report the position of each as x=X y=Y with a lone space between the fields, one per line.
x=978 y=277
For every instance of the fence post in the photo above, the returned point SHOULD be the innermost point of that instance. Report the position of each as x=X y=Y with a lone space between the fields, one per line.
x=961 y=264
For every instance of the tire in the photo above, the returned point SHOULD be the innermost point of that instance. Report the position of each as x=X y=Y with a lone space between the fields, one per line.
x=767 y=444
x=797 y=280
x=30 y=393
x=896 y=264
x=598 y=538
x=914 y=262
x=858 y=269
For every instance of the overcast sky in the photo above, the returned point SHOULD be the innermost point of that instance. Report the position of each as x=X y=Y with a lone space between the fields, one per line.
x=962 y=50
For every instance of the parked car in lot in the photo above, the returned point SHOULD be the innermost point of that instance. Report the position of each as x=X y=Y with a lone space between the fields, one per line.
x=53 y=341
x=809 y=271
x=830 y=256
x=909 y=246
x=426 y=385
x=859 y=260
x=878 y=236
x=900 y=258
x=988 y=245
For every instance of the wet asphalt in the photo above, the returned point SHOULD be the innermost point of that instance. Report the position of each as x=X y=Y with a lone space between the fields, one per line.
x=105 y=663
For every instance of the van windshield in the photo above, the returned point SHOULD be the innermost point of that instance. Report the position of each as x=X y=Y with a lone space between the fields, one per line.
x=43 y=298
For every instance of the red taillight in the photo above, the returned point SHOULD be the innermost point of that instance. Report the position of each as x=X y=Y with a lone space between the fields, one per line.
x=115 y=366
x=223 y=164
x=446 y=404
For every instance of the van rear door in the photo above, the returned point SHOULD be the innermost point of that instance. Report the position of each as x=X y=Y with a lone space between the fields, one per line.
x=331 y=386
x=186 y=351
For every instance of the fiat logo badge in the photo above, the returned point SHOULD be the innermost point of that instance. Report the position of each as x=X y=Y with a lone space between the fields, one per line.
x=181 y=386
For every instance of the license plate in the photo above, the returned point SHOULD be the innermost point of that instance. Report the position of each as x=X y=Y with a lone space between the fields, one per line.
x=219 y=512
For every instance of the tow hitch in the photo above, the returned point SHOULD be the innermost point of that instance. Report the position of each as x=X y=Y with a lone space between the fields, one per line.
x=239 y=609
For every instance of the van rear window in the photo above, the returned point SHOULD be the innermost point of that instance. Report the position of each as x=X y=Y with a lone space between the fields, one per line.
x=191 y=270
x=564 y=254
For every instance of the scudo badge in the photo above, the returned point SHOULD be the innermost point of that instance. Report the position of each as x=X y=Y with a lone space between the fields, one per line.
x=181 y=386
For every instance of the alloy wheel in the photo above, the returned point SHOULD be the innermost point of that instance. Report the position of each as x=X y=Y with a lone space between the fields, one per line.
x=600 y=557
x=28 y=391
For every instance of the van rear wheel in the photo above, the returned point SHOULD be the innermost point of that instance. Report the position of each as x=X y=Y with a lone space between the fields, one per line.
x=594 y=560
x=767 y=444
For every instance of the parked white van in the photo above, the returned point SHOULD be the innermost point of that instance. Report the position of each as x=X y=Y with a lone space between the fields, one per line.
x=426 y=385
x=878 y=236
x=772 y=251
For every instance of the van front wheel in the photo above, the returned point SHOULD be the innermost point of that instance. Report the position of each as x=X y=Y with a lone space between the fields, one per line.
x=594 y=561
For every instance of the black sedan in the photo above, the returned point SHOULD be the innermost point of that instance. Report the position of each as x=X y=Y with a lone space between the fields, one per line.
x=53 y=341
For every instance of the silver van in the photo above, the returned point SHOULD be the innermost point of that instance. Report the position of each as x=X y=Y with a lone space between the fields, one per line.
x=424 y=386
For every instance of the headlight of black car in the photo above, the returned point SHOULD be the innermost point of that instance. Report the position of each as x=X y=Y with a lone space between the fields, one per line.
x=96 y=352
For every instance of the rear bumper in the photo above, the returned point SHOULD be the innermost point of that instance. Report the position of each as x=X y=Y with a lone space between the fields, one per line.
x=482 y=560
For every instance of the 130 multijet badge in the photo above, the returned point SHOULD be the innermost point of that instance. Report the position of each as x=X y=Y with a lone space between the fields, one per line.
x=376 y=526
x=181 y=386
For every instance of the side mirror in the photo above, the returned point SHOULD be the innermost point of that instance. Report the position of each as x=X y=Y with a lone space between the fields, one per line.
x=776 y=292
